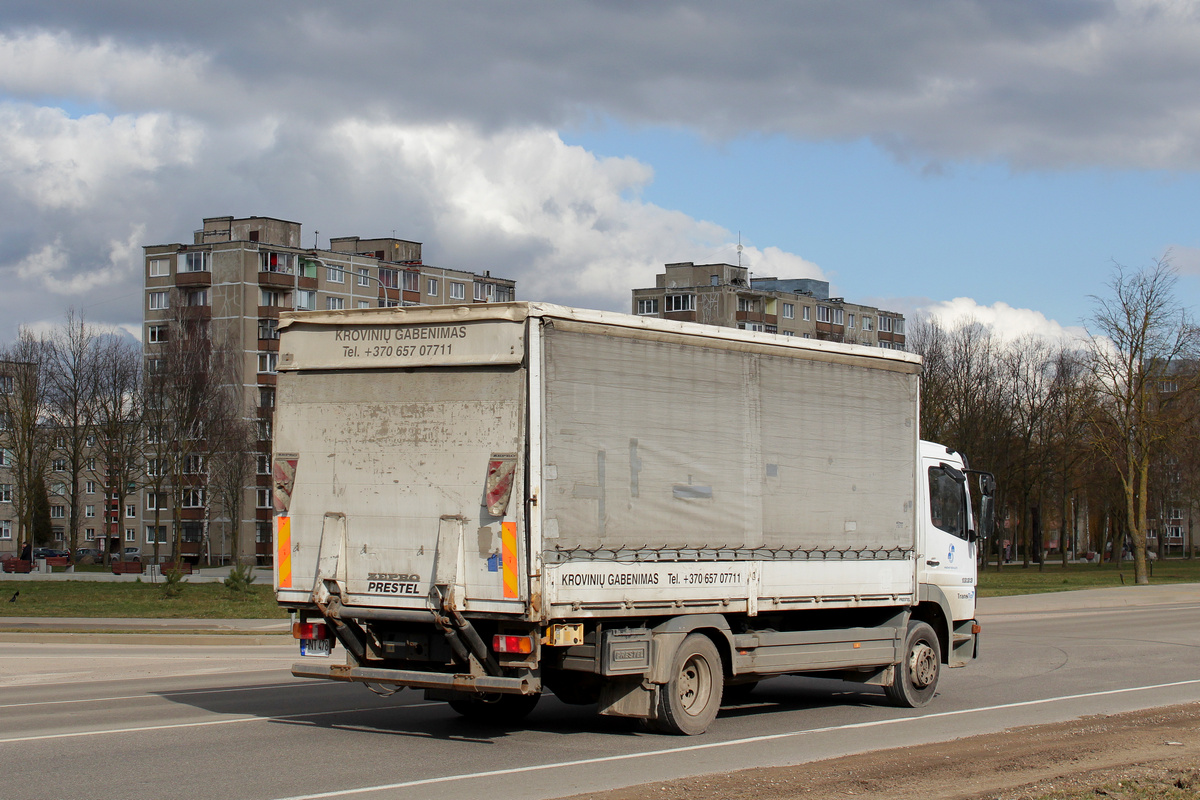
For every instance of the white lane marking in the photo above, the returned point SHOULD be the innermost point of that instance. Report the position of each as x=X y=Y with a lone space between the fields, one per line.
x=206 y=723
x=709 y=746
x=153 y=695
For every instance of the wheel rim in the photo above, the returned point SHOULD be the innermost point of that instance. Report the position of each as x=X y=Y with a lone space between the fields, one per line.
x=695 y=685
x=922 y=665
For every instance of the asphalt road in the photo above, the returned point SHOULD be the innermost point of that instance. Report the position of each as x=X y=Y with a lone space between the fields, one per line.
x=97 y=720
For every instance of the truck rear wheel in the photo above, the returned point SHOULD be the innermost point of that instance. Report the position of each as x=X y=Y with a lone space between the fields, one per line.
x=915 y=678
x=495 y=709
x=689 y=702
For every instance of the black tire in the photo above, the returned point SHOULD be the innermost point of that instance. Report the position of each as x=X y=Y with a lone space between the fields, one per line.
x=915 y=678
x=689 y=702
x=495 y=709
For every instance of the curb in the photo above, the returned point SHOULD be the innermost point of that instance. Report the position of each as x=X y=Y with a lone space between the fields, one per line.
x=200 y=638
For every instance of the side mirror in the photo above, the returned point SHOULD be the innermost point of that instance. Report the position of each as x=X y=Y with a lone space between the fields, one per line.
x=987 y=516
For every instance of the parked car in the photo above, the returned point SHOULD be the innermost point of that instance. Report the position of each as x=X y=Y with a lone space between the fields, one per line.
x=86 y=552
x=49 y=552
x=131 y=554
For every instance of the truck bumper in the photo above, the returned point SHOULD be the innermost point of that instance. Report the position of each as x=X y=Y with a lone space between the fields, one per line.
x=419 y=680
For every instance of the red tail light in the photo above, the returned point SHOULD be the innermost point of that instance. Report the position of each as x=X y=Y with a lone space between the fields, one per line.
x=512 y=644
x=309 y=630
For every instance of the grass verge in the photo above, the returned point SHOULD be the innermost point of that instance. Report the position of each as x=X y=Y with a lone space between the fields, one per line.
x=95 y=599
x=1053 y=577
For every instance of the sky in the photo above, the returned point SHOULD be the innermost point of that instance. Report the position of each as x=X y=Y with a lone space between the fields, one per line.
x=966 y=159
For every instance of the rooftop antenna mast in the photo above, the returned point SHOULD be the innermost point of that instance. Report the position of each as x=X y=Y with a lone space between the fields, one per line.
x=316 y=234
x=739 y=249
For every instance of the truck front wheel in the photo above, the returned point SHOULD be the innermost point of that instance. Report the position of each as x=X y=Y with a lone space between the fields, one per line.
x=495 y=709
x=915 y=678
x=689 y=702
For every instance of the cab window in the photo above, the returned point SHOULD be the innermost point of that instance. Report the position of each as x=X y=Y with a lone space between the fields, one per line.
x=947 y=503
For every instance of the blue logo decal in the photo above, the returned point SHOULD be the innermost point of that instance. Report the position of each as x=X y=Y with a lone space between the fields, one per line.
x=950 y=555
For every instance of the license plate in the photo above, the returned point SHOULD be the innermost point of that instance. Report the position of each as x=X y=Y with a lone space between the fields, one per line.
x=314 y=647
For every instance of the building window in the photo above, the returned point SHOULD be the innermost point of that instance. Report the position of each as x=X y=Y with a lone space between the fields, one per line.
x=364 y=276
x=850 y=321
x=806 y=312
x=335 y=275
x=335 y=303
x=89 y=534
x=789 y=310
x=156 y=501
x=268 y=329
x=504 y=294
x=59 y=465
x=747 y=304
x=485 y=291
x=89 y=511
x=197 y=297
x=412 y=281
x=262 y=532
x=306 y=300
x=160 y=539
x=362 y=304
x=194 y=261
x=91 y=464
x=160 y=267
x=5 y=492
x=193 y=465
x=648 y=306
x=264 y=498
x=789 y=333
x=263 y=464
x=432 y=287
x=681 y=302
x=267 y=362
x=750 y=326
x=270 y=297
x=131 y=510
x=266 y=397
x=193 y=498
x=264 y=430
x=58 y=512
x=823 y=314
x=458 y=291
x=6 y=384
x=5 y=528
x=131 y=534
x=158 y=300
x=276 y=262
x=838 y=316
x=387 y=278
x=885 y=324
x=868 y=323
x=4 y=457
x=90 y=487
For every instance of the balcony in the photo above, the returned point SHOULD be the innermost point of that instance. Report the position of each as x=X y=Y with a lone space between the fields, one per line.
x=197 y=312
x=268 y=345
x=306 y=283
x=193 y=279
x=269 y=312
x=280 y=279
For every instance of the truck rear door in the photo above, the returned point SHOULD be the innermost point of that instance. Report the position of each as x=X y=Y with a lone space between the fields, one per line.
x=403 y=472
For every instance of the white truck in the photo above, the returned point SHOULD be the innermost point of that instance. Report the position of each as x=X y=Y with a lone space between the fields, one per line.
x=491 y=501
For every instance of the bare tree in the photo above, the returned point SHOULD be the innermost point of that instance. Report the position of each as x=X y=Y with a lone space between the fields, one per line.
x=24 y=432
x=72 y=390
x=1141 y=332
x=1072 y=396
x=118 y=425
x=232 y=440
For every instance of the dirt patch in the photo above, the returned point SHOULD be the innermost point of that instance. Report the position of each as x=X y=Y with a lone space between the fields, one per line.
x=1137 y=756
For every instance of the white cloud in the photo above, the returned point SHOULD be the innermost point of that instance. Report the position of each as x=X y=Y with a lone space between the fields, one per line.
x=1004 y=320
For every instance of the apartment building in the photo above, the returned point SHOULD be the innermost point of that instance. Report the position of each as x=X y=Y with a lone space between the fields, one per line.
x=726 y=295
x=235 y=278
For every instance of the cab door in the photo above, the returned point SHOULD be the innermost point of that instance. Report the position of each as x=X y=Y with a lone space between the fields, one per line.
x=947 y=559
